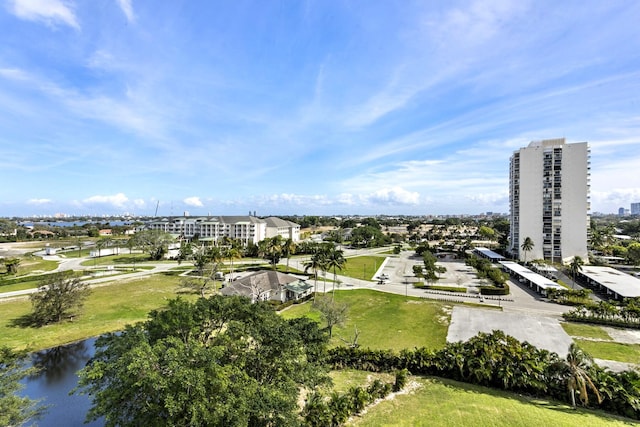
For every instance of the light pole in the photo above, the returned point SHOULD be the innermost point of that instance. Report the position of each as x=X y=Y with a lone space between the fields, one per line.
x=406 y=285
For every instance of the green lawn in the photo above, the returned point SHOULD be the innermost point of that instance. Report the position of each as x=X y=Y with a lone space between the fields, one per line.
x=135 y=258
x=387 y=321
x=628 y=353
x=446 y=403
x=360 y=267
x=581 y=330
x=108 y=308
x=28 y=283
x=31 y=264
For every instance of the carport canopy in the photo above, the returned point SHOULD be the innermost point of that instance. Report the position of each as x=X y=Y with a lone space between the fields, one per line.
x=522 y=272
x=488 y=253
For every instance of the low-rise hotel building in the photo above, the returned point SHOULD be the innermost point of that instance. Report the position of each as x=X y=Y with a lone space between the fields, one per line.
x=246 y=229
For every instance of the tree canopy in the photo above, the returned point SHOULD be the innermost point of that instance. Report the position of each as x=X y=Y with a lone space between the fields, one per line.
x=216 y=362
x=58 y=296
x=15 y=410
x=153 y=242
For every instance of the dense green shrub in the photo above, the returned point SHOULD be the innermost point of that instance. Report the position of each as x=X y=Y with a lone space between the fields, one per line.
x=460 y=289
x=401 y=380
x=494 y=290
x=499 y=361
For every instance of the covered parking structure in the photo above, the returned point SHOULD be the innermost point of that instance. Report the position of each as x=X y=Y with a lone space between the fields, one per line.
x=527 y=277
x=612 y=282
x=488 y=254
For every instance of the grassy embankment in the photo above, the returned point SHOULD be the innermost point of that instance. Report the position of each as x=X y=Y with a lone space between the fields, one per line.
x=393 y=321
x=386 y=320
x=439 y=402
x=598 y=343
x=109 y=308
x=360 y=267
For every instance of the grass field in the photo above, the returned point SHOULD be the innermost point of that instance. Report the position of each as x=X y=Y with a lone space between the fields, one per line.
x=581 y=330
x=629 y=353
x=30 y=264
x=360 y=267
x=446 y=403
x=387 y=321
x=597 y=342
x=108 y=308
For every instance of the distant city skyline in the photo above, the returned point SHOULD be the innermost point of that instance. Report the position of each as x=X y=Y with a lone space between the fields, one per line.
x=308 y=107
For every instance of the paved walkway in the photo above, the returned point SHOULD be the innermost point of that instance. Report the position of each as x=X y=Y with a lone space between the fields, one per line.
x=539 y=330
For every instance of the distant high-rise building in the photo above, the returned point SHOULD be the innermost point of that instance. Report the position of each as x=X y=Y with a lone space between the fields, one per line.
x=620 y=211
x=635 y=208
x=549 y=200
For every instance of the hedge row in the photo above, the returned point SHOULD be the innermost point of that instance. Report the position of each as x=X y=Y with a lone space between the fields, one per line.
x=321 y=411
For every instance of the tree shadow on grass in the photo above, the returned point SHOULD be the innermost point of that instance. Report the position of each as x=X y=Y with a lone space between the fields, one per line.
x=25 y=321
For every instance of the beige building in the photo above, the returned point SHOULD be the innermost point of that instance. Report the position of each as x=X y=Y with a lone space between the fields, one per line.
x=215 y=228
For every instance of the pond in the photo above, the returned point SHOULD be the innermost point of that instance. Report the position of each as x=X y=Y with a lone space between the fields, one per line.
x=56 y=379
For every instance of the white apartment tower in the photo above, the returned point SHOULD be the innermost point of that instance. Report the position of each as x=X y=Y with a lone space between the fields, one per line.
x=549 y=200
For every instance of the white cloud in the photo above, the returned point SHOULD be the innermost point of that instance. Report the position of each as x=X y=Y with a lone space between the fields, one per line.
x=295 y=199
x=51 y=12
x=394 y=196
x=117 y=200
x=14 y=74
x=490 y=199
x=39 y=201
x=193 y=201
x=127 y=9
x=345 y=199
x=139 y=203
x=614 y=198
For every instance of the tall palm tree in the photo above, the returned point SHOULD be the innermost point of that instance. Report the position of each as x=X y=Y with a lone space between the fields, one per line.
x=288 y=248
x=575 y=370
x=104 y=242
x=336 y=261
x=596 y=240
x=232 y=253
x=215 y=256
x=315 y=263
x=527 y=246
x=575 y=266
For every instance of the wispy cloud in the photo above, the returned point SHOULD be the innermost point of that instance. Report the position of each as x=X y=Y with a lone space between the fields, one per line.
x=193 y=201
x=51 y=12
x=39 y=201
x=322 y=107
x=127 y=9
x=116 y=200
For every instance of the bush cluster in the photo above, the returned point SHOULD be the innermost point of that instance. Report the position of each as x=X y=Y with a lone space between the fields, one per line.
x=335 y=409
x=499 y=361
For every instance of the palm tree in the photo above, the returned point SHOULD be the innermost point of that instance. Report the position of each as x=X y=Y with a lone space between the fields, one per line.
x=596 y=240
x=271 y=249
x=315 y=263
x=335 y=260
x=575 y=370
x=215 y=256
x=103 y=243
x=232 y=253
x=527 y=246
x=575 y=266
x=288 y=248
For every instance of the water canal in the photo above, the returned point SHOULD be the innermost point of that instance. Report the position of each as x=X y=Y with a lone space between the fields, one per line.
x=56 y=379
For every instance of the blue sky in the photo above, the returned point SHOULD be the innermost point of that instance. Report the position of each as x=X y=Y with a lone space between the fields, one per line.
x=308 y=107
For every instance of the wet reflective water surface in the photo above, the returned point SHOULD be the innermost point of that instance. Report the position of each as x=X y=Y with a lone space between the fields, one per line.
x=56 y=379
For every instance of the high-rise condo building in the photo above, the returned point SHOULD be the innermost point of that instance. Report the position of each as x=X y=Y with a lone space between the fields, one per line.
x=549 y=200
x=635 y=208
